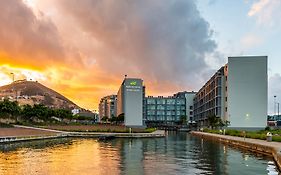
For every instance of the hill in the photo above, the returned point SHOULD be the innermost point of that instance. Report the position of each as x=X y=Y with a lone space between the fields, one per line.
x=32 y=92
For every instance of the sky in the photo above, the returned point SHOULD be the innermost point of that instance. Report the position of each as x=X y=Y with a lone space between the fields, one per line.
x=83 y=49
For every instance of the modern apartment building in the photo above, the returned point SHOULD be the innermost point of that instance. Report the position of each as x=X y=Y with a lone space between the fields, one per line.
x=108 y=106
x=130 y=99
x=169 y=110
x=164 y=110
x=237 y=92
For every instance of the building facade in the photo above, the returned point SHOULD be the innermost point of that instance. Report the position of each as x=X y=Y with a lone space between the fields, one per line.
x=169 y=110
x=108 y=106
x=237 y=92
x=130 y=99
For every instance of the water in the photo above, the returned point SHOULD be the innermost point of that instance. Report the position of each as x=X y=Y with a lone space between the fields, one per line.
x=175 y=154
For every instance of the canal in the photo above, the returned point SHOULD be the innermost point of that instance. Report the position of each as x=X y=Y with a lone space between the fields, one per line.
x=178 y=153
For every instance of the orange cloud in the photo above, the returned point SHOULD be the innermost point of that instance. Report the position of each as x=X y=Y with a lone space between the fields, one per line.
x=84 y=53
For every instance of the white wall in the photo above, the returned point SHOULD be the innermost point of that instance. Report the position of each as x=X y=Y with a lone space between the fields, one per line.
x=247 y=91
x=133 y=102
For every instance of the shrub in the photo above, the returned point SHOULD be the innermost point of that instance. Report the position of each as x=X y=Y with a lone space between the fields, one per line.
x=276 y=138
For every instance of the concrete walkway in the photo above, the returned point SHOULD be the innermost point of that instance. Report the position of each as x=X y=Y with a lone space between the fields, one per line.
x=157 y=133
x=261 y=146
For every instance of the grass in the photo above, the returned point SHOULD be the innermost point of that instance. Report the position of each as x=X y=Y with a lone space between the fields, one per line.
x=250 y=134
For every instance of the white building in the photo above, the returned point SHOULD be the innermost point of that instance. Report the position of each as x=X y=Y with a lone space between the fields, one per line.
x=130 y=99
x=237 y=92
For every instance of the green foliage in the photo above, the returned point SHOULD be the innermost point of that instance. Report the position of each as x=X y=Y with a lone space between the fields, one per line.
x=216 y=122
x=183 y=119
x=9 y=108
x=276 y=138
x=121 y=118
x=28 y=113
x=150 y=130
x=79 y=117
x=4 y=125
x=62 y=113
x=250 y=134
x=104 y=118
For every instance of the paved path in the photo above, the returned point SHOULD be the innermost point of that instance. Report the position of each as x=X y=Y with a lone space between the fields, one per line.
x=262 y=146
x=157 y=133
x=42 y=129
x=254 y=141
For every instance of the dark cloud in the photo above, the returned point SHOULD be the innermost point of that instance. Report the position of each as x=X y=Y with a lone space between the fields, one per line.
x=158 y=41
x=26 y=38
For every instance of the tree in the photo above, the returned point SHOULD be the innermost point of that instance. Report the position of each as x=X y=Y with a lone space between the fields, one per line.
x=9 y=108
x=121 y=118
x=183 y=120
x=215 y=122
x=104 y=118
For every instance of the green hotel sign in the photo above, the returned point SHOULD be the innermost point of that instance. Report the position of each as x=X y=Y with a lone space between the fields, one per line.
x=133 y=83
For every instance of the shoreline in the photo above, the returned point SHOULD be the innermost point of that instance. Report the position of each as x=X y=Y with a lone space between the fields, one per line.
x=261 y=146
x=63 y=134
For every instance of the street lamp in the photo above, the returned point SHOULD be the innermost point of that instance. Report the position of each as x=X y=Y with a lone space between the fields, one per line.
x=274 y=104
x=278 y=110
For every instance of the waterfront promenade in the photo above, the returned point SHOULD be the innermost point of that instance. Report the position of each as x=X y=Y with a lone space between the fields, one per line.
x=260 y=146
x=26 y=133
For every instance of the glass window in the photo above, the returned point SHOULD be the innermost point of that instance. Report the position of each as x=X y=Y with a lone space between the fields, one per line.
x=171 y=101
x=160 y=101
x=150 y=101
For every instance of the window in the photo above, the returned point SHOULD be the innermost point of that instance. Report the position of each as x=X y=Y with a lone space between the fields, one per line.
x=225 y=109
x=150 y=101
x=171 y=101
x=190 y=113
x=190 y=107
x=225 y=98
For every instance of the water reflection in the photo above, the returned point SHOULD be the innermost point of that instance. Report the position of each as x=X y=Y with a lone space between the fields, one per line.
x=175 y=154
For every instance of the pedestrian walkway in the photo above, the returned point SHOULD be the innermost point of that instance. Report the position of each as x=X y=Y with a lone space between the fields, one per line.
x=261 y=146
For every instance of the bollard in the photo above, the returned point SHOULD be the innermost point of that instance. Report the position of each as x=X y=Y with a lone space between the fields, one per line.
x=268 y=136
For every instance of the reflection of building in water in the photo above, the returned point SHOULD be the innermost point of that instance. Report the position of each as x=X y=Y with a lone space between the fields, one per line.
x=132 y=156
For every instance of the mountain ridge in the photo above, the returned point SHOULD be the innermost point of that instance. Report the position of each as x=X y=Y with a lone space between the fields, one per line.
x=33 y=92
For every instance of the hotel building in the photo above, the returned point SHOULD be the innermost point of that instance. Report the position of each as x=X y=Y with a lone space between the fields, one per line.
x=237 y=92
x=130 y=99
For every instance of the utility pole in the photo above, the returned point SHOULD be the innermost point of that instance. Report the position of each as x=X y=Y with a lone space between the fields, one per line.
x=278 y=110
x=13 y=76
x=274 y=105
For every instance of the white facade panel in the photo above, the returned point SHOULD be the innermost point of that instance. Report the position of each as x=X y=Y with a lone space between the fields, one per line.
x=247 y=91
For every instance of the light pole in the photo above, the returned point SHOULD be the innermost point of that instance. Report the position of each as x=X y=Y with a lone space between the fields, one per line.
x=274 y=105
x=13 y=76
x=278 y=110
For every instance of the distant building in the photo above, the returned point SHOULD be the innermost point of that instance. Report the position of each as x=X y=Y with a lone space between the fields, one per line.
x=130 y=99
x=108 y=106
x=75 y=111
x=237 y=92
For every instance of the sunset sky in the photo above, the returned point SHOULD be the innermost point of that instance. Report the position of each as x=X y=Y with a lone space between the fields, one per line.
x=83 y=48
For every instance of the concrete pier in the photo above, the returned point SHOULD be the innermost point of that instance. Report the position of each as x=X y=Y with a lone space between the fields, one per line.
x=260 y=146
x=155 y=134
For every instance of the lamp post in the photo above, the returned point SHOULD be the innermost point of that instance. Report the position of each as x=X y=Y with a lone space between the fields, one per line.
x=274 y=105
x=278 y=110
